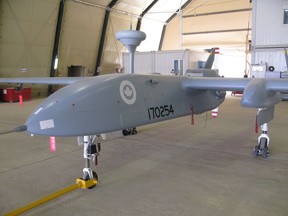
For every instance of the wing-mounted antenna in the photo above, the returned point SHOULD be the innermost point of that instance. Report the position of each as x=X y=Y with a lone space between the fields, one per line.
x=131 y=39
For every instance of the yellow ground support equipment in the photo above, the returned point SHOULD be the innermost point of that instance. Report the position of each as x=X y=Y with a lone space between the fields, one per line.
x=80 y=183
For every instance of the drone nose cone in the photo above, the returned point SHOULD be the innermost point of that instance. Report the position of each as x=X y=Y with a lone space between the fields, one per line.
x=82 y=108
x=42 y=120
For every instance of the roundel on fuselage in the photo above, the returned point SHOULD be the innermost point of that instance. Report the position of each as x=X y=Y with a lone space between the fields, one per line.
x=127 y=92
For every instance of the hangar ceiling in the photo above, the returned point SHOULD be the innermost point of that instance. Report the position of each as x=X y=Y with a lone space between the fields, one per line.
x=193 y=23
x=87 y=36
x=212 y=23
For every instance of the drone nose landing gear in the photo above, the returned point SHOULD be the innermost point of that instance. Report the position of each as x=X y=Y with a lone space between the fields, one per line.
x=262 y=148
x=263 y=143
x=91 y=152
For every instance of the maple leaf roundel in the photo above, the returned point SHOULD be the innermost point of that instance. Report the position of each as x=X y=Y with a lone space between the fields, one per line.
x=128 y=92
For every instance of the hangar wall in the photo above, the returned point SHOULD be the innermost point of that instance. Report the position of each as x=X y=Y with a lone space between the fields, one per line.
x=80 y=37
x=164 y=62
x=224 y=24
x=28 y=31
x=269 y=33
x=209 y=23
x=27 y=35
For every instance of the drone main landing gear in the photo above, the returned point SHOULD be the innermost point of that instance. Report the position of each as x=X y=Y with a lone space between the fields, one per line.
x=129 y=131
x=263 y=143
x=91 y=152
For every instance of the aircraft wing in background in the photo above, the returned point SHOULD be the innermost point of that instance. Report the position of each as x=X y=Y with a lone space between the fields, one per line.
x=43 y=80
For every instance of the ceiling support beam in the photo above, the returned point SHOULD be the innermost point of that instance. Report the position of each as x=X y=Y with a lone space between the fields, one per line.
x=217 y=12
x=107 y=8
x=162 y=37
x=143 y=14
x=56 y=42
x=103 y=35
x=217 y=31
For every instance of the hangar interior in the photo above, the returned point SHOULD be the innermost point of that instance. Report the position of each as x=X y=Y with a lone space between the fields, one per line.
x=167 y=168
x=31 y=40
x=87 y=32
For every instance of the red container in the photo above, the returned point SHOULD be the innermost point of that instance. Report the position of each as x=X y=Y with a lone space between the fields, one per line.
x=1 y=94
x=12 y=95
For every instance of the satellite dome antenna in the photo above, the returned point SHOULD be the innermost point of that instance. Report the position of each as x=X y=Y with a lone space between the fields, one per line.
x=131 y=39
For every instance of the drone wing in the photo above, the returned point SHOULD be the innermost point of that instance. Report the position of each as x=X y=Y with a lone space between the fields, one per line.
x=257 y=92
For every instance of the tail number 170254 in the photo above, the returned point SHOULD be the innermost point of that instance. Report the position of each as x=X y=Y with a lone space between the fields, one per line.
x=160 y=112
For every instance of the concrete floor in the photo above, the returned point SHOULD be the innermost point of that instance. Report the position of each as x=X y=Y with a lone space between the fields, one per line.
x=169 y=168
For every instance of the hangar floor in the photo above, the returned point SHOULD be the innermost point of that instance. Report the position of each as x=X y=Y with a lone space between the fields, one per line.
x=168 y=168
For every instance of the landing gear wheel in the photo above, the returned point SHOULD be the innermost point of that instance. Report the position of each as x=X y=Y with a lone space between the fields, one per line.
x=129 y=131
x=134 y=131
x=265 y=152
x=256 y=151
x=126 y=132
x=262 y=148
x=86 y=178
x=95 y=176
